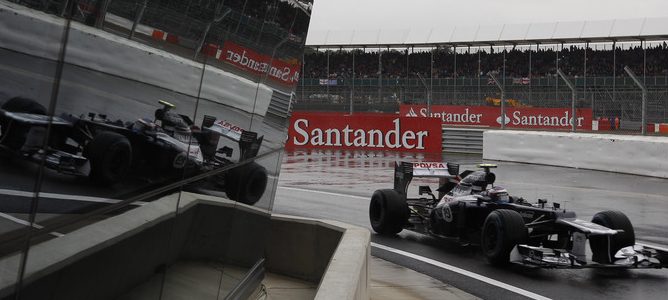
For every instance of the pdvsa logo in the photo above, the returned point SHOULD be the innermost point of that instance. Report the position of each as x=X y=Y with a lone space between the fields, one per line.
x=429 y=165
x=229 y=126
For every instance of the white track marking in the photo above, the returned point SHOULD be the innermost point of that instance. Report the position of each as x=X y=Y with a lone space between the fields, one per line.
x=64 y=197
x=321 y=192
x=466 y=273
x=16 y=193
x=26 y=223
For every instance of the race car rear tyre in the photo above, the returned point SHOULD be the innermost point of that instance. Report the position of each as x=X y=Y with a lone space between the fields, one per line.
x=502 y=230
x=110 y=156
x=388 y=212
x=246 y=183
x=599 y=244
x=23 y=105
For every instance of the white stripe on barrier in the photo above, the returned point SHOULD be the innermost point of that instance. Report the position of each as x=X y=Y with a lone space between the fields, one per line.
x=63 y=197
x=322 y=192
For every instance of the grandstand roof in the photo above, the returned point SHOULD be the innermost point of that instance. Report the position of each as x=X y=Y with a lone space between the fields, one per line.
x=648 y=29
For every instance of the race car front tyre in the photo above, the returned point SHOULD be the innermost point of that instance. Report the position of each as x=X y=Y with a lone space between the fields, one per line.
x=246 y=183
x=23 y=105
x=15 y=137
x=110 y=156
x=502 y=230
x=388 y=212
x=602 y=252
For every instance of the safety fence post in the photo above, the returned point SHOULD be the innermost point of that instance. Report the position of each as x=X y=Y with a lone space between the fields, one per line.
x=572 y=87
x=643 y=109
x=503 y=99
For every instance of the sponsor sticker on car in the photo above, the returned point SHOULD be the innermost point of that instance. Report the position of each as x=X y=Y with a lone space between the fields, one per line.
x=228 y=129
x=430 y=169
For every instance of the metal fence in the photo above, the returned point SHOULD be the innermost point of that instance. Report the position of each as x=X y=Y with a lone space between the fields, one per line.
x=622 y=100
x=610 y=97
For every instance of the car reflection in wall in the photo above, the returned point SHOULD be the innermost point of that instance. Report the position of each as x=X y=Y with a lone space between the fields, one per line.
x=108 y=151
x=471 y=210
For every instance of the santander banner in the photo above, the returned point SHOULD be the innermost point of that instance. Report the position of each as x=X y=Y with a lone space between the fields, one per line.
x=525 y=117
x=367 y=131
x=257 y=63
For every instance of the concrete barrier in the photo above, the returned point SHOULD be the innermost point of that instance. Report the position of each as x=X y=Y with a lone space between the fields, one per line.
x=35 y=33
x=107 y=259
x=641 y=155
x=334 y=253
x=347 y=275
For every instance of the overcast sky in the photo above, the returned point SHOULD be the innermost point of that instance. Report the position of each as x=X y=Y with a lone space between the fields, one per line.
x=419 y=14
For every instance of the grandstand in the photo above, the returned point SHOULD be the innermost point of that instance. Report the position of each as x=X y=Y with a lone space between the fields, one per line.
x=377 y=71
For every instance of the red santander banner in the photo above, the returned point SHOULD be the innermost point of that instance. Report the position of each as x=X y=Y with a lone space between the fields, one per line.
x=525 y=117
x=251 y=61
x=366 y=131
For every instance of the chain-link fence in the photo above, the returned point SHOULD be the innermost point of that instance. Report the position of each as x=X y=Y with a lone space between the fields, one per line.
x=332 y=81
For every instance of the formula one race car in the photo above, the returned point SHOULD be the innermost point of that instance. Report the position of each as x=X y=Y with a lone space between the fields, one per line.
x=107 y=151
x=471 y=210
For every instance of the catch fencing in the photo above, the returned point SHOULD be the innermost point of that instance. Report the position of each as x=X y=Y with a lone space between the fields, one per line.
x=615 y=100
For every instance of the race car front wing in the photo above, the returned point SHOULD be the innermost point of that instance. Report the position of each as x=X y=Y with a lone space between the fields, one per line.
x=636 y=256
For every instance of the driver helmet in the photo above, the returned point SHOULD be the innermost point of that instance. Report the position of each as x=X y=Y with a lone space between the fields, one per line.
x=171 y=121
x=477 y=180
x=499 y=194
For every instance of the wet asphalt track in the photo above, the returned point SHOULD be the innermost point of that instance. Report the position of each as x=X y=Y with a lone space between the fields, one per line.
x=338 y=186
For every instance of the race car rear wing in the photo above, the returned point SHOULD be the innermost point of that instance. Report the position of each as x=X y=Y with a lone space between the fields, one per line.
x=249 y=142
x=435 y=169
x=404 y=172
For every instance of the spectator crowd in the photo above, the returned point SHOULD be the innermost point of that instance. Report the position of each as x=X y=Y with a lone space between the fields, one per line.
x=467 y=64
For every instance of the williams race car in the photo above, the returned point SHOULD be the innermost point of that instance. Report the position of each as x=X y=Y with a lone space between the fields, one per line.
x=108 y=151
x=471 y=210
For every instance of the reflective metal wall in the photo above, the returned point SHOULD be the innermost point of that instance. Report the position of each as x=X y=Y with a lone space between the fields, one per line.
x=118 y=113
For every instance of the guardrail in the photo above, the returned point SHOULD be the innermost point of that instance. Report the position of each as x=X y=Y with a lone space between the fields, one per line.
x=462 y=140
